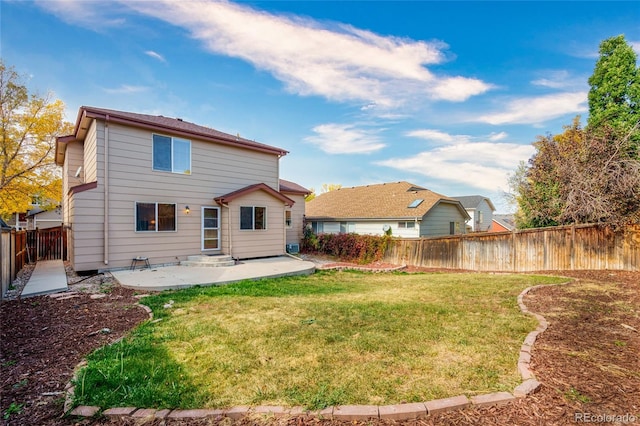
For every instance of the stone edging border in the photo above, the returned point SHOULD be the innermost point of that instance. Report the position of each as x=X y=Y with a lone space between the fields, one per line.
x=409 y=411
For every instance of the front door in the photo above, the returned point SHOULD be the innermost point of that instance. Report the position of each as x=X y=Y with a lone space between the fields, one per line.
x=210 y=228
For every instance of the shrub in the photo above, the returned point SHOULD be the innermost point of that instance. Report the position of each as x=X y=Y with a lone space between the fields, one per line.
x=347 y=247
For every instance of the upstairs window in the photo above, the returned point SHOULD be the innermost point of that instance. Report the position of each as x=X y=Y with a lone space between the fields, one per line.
x=171 y=154
x=253 y=218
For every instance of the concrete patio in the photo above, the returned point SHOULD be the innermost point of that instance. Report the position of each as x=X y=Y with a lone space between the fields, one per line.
x=176 y=277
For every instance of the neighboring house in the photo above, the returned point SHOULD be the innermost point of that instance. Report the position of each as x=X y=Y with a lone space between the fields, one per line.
x=480 y=210
x=503 y=222
x=294 y=216
x=17 y=220
x=4 y=225
x=137 y=185
x=402 y=208
x=38 y=218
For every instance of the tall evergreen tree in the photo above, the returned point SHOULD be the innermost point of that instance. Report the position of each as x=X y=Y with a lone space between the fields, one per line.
x=614 y=97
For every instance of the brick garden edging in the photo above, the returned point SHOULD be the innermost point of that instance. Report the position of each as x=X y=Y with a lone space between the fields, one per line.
x=409 y=411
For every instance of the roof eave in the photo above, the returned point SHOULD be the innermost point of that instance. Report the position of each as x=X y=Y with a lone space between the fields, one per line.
x=90 y=113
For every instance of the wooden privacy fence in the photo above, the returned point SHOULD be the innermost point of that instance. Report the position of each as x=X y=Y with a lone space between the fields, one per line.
x=577 y=247
x=18 y=248
x=13 y=256
x=47 y=244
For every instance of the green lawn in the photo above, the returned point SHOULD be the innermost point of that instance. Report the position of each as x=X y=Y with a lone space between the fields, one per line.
x=326 y=339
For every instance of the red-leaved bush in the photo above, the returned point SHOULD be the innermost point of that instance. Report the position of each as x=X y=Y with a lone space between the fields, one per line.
x=356 y=248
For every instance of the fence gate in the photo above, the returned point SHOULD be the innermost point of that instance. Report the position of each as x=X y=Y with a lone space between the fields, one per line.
x=47 y=244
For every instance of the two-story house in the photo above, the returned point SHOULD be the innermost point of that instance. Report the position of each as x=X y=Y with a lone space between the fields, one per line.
x=137 y=185
x=480 y=210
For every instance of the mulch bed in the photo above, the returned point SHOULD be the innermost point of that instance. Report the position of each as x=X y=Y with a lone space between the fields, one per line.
x=587 y=360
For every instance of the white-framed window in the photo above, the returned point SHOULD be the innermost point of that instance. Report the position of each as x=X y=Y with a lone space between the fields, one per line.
x=171 y=154
x=287 y=218
x=318 y=227
x=253 y=218
x=156 y=217
x=347 y=227
x=210 y=228
x=406 y=225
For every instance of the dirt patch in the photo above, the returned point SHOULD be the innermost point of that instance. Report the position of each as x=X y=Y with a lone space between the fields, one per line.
x=43 y=338
x=587 y=360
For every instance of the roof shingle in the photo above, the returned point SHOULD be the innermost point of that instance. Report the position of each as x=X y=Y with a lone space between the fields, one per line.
x=386 y=200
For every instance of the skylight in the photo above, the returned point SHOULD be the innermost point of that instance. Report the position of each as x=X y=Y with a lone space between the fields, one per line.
x=415 y=203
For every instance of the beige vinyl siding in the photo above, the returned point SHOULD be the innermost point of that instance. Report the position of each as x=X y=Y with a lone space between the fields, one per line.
x=74 y=158
x=216 y=170
x=261 y=242
x=86 y=233
x=294 y=233
x=91 y=155
x=437 y=220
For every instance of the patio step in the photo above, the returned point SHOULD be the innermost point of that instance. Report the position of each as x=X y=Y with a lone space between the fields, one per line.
x=208 y=261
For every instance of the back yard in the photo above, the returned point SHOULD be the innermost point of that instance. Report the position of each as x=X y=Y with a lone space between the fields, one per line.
x=317 y=344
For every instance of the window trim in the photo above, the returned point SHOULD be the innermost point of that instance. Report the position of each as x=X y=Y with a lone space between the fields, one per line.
x=253 y=218
x=202 y=229
x=172 y=139
x=156 y=203
x=405 y=224
x=288 y=222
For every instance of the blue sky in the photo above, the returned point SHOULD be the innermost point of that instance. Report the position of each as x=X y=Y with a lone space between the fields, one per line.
x=447 y=95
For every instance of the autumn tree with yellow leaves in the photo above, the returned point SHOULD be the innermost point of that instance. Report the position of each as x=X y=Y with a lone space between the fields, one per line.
x=29 y=125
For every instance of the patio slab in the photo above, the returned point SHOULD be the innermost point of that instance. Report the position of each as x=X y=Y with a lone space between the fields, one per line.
x=176 y=277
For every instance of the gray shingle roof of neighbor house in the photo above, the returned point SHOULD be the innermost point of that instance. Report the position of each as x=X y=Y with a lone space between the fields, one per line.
x=386 y=200
x=506 y=220
x=292 y=187
x=158 y=123
x=472 y=201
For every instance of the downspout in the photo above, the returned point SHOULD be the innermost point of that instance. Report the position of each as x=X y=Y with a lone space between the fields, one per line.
x=106 y=190
x=284 y=228
x=229 y=228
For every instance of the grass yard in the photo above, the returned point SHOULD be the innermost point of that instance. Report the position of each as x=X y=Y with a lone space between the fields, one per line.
x=327 y=339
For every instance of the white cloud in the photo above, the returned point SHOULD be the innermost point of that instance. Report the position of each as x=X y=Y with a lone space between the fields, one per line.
x=126 y=89
x=345 y=139
x=483 y=165
x=494 y=137
x=93 y=14
x=636 y=46
x=537 y=110
x=553 y=79
x=155 y=55
x=438 y=136
x=338 y=62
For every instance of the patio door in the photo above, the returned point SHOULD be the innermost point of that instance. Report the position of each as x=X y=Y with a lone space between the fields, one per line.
x=210 y=228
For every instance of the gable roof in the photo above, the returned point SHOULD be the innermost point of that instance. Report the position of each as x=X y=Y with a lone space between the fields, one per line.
x=223 y=199
x=292 y=188
x=507 y=221
x=381 y=201
x=473 y=201
x=157 y=123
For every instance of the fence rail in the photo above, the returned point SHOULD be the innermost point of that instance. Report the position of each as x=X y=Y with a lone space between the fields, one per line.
x=578 y=247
